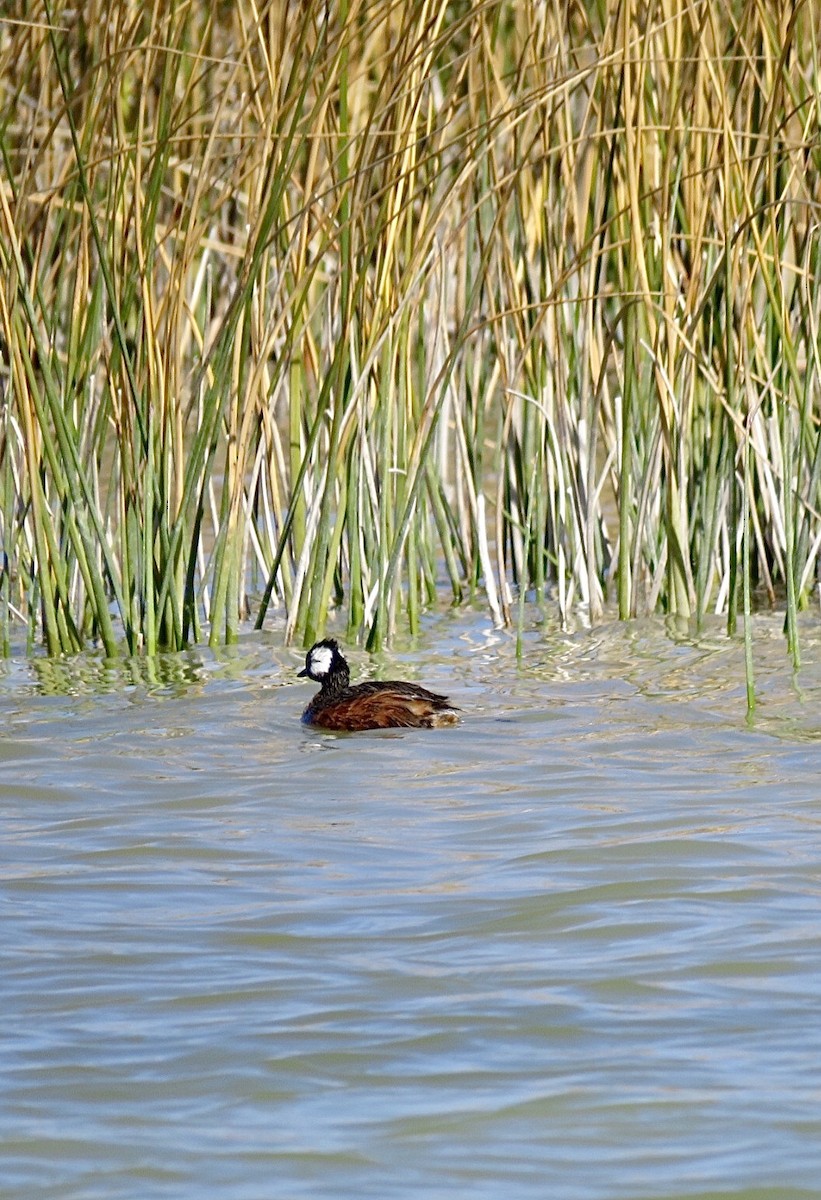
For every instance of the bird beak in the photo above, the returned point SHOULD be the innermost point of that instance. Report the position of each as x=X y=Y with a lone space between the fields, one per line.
x=300 y=674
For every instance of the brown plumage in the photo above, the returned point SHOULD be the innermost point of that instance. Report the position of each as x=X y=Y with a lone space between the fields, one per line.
x=377 y=704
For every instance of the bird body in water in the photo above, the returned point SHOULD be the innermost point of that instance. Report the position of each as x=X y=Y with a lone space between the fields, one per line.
x=375 y=704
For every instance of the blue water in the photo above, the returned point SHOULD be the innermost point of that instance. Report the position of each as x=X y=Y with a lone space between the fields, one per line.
x=571 y=948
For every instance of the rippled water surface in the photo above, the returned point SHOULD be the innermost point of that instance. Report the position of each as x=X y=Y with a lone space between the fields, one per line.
x=569 y=949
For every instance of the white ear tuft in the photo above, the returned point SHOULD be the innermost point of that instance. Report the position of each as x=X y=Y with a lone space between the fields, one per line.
x=321 y=659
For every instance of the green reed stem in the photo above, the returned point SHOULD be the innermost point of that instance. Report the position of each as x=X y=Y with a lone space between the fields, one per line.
x=626 y=466
x=747 y=501
x=789 y=534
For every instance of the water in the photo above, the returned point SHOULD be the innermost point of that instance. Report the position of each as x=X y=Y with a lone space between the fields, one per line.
x=571 y=948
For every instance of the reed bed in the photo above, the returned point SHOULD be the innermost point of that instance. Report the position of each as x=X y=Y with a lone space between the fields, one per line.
x=353 y=308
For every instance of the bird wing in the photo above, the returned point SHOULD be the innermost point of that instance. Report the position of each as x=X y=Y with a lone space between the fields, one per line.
x=375 y=710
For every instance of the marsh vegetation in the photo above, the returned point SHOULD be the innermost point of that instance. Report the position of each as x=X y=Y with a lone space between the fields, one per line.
x=368 y=306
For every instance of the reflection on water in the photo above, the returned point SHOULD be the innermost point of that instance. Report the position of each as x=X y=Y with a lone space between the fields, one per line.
x=570 y=948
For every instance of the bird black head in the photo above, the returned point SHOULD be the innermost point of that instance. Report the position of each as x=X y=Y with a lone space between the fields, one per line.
x=323 y=660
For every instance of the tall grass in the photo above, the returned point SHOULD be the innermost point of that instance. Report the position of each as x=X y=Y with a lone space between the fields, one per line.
x=355 y=307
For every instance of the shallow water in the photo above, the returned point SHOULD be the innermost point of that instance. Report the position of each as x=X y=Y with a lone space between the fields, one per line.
x=571 y=948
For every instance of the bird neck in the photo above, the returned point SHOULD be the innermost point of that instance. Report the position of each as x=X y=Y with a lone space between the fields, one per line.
x=336 y=681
